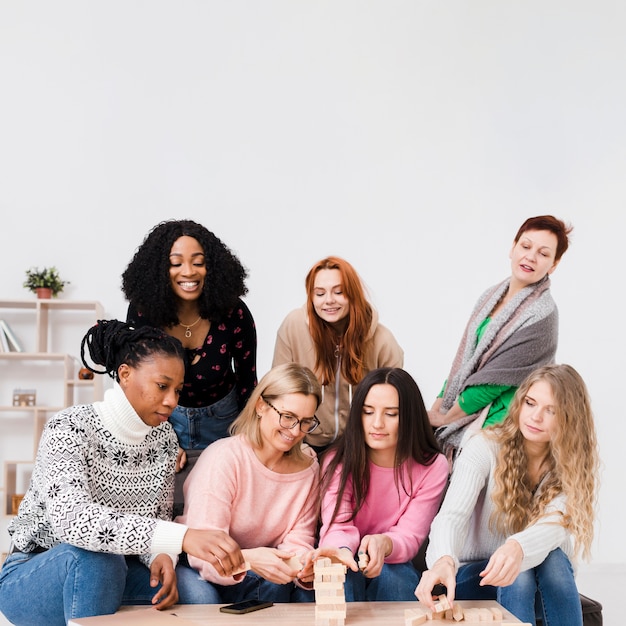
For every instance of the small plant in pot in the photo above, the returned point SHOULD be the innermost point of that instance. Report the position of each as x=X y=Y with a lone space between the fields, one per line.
x=46 y=283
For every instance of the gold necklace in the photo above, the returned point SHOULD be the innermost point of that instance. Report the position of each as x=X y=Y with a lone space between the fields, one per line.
x=188 y=327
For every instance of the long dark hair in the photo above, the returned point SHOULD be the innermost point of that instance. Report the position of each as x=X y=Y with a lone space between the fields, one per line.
x=111 y=343
x=416 y=440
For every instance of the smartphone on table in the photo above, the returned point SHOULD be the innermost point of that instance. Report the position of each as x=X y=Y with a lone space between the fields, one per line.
x=246 y=606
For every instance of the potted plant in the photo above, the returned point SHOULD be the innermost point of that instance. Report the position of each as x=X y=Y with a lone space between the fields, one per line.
x=46 y=283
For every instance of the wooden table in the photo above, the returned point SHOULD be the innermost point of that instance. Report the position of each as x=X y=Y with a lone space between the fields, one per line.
x=296 y=614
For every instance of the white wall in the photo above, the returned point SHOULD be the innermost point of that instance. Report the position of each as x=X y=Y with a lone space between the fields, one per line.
x=412 y=138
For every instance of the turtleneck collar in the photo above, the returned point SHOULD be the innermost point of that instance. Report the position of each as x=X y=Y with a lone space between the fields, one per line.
x=119 y=417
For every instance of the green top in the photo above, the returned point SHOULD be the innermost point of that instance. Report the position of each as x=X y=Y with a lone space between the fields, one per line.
x=476 y=397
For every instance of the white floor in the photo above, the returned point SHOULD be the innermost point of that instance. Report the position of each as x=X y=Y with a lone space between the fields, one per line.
x=604 y=583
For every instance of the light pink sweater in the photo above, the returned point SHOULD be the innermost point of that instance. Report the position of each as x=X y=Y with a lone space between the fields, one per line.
x=231 y=490
x=388 y=510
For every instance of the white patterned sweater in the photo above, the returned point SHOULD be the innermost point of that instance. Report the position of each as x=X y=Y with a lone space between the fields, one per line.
x=103 y=480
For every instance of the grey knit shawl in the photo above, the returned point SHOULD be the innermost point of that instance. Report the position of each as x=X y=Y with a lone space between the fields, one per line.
x=520 y=338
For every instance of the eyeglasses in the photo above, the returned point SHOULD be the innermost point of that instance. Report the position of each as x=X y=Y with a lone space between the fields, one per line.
x=307 y=424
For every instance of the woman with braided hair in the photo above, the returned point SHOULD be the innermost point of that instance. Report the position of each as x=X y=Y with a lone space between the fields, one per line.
x=520 y=506
x=94 y=529
x=185 y=281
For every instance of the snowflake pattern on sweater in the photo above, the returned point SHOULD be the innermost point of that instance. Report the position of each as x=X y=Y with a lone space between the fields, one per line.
x=97 y=484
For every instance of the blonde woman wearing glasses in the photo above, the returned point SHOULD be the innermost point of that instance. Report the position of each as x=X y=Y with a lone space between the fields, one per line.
x=261 y=487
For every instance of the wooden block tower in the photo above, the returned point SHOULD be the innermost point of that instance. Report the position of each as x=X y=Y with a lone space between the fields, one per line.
x=330 y=598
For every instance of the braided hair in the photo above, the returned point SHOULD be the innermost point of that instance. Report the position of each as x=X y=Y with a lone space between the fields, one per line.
x=111 y=343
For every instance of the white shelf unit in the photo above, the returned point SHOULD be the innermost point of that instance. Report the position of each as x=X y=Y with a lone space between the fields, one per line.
x=36 y=320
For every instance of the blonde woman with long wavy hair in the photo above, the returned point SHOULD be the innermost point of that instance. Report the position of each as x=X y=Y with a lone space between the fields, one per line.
x=519 y=511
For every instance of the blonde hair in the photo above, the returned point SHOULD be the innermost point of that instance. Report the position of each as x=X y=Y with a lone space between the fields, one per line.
x=279 y=381
x=573 y=462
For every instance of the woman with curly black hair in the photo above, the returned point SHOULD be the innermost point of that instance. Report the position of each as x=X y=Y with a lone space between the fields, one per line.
x=184 y=280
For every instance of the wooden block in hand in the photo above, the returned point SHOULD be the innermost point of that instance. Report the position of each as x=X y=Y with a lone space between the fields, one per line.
x=363 y=560
x=294 y=563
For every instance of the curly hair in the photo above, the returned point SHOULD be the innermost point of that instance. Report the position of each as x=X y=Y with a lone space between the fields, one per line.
x=573 y=461
x=111 y=343
x=146 y=280
x=416 y=439
x=324 y=335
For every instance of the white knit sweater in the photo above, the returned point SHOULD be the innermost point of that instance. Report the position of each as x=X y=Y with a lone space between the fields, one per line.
x=103 y=480
x=461 y=528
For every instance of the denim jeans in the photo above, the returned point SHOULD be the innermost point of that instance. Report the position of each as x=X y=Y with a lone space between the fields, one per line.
x=467 y=583
x=66 y=582
x=197 y=427
x=548 y=590
x=396 y=582
x=194 y=590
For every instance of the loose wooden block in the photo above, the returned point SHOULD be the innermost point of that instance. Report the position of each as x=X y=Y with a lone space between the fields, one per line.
x=497 y=613
x=443 y=603
x=485 y=615
x=457 y=613
x=471 y=615
x=414 y=617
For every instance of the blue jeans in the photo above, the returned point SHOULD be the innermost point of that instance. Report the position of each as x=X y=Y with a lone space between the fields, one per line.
x=194 y=590
x=66 y=582
x=395 y=583
x=467 y=583
x=548 y=591
x=197 y=427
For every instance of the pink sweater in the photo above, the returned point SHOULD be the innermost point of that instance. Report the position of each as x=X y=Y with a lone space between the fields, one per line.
x=231 y=490
x=404 y=518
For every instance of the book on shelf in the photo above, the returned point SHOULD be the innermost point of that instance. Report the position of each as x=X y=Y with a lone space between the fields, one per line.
x=11 y=339
x=4 y=342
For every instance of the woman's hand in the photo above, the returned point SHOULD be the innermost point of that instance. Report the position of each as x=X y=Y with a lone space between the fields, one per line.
x=162 y=571
x=337 y=555
x=216 y=547
x=181 y=460
x=272 y=564
x=437 y=418
x=504 y=565
x=376 y=547
x=442 y=572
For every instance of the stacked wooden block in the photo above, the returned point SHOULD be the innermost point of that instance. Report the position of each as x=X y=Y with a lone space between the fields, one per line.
x=330 y=598
x=443 y=611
